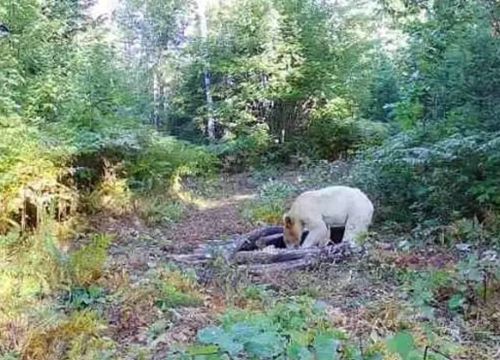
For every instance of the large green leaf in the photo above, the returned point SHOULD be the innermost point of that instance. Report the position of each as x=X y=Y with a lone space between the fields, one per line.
x=402 y=343
x=243 y=332
x=216 y=335
x=325 y=347
x=265 y=345
x=299 y=352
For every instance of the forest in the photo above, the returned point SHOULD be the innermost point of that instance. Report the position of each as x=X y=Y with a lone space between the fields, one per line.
x=132 y=138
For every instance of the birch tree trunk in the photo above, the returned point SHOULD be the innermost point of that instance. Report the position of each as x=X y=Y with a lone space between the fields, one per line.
x=206 y=75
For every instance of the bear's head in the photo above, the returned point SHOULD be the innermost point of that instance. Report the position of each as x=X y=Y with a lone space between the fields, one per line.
x=292 y=232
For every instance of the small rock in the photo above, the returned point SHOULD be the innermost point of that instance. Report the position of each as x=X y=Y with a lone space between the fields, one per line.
x=489 y=255
x=463 y=247
x=385 y=246
x=404 y=245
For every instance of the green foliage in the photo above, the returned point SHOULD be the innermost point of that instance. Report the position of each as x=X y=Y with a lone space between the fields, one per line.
x=244 y=151
x=164 y=159
x=159 y=210
x=271 y=203
x=456 y=289
x=296 y=329
x=453 y=69
x=177 y=289
x=75 y=337
x=403 y=344
x=28 y=171
x=270 y=64
x=86 y=264
x=444 y=181
x=334 y=131
x=84 y=297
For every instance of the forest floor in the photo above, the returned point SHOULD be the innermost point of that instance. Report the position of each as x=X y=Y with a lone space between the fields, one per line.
x=393 y=287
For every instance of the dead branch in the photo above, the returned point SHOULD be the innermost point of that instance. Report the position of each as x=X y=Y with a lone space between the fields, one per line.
x=245 y=251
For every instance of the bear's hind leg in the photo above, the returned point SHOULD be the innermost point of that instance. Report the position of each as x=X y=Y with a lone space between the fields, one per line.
x=354 y=227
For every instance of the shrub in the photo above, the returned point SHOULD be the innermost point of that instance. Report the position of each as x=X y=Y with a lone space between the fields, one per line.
x=74 y=337
x=29 y=175
x=415 y=182
x=334 y=131
x=159 y=210
x=271 y=203
x=112 y=195
x=86 y=264
x=244 y=151
x=32 y=267
x=163 y=159
x=296 y=328
x=177 y=289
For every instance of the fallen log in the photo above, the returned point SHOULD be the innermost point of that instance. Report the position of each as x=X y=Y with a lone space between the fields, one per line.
x=266 y=269
x=263 y=251
x=274 y=256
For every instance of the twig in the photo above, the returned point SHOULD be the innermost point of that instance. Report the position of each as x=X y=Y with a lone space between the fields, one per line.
x=425 y=352
x=446 y=356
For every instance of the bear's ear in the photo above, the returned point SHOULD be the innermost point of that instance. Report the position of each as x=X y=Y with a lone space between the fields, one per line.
x=288 y=221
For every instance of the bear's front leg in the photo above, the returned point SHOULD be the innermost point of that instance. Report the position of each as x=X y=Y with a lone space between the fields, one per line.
x=318 y=235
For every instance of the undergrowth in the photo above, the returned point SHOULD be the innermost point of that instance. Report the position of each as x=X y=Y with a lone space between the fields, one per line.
x=271 y=203
x=293 y=328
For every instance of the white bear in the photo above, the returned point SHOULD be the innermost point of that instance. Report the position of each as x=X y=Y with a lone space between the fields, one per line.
x=318 y=210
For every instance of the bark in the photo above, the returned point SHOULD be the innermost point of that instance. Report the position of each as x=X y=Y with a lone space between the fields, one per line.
x=206 y=75
x=244 y=252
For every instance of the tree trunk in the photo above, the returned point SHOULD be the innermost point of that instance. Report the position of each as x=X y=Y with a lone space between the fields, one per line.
x=206 y=73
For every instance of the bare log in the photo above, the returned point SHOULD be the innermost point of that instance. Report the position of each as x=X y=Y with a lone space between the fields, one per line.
x=269 y=269
x=275 y=240
x=278 y=255
x=244 y=251
x=298 y=259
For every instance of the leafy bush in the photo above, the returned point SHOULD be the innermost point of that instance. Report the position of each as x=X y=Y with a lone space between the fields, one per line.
x=243 y=151
x=159 y=210
x=334 y=131
x=75 y=337
x=163 y=159
x=297 y=328
x=112 y=195
x=470 y=286
x=86 y=264
x=177 y=289
x=271 y=203
x=33 y=267
x=414 y=182
x=29 y=174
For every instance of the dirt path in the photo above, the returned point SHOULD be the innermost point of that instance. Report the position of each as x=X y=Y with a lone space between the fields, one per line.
x=137 y=257
x=222 y=218
x=138 y=247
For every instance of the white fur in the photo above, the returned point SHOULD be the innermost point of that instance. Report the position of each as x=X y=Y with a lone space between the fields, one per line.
x=333 y=206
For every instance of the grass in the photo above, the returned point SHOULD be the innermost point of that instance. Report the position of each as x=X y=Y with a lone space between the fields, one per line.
x=156 y=210
x=271 y=203
x=177 y=289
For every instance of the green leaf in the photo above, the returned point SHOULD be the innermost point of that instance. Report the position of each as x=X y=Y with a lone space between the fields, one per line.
x=216 y=335
x=325 y=347
x=265 y=345
x=402 y=343
x=299 y=352
x=210 y=334
x=243 y=332
x=203 y=350
x=456 y=302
